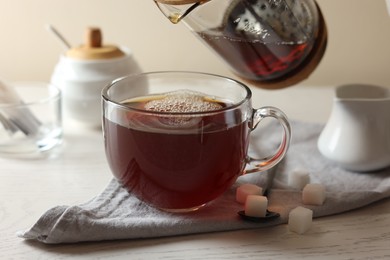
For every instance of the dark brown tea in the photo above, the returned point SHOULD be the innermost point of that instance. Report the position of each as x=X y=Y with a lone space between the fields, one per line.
x=256 y=60
x=177 y=162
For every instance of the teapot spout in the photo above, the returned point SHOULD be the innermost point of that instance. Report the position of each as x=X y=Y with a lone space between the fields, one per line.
x=176 y=10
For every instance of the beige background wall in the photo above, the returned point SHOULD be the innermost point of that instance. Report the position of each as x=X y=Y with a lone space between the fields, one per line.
x=358 y=50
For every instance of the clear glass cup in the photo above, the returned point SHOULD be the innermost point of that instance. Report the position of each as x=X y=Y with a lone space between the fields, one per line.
x=31 y=128
x=186 y=141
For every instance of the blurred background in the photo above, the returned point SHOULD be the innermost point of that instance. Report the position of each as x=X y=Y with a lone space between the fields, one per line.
x=358 y=48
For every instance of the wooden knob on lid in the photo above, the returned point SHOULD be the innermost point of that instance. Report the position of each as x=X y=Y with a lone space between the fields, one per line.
x=93 y=38
x=93 y=49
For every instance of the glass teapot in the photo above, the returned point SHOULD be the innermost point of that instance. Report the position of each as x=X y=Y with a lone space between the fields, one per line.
x=269 y=43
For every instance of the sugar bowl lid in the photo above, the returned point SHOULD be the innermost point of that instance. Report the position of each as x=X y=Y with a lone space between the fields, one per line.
x=93 y=48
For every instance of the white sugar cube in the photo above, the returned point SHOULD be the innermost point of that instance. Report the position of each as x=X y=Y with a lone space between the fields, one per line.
x=300 y=220
x=247 y=189
x=313 y=194
x=256 y=206
x=298 y=179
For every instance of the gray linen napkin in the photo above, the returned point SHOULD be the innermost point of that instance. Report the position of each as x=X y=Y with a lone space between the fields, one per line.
x=116 y=214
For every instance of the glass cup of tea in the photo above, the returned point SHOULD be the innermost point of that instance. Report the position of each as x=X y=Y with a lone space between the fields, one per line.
x=186 y=141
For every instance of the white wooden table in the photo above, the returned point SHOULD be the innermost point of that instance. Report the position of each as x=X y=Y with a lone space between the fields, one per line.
x=29 y=188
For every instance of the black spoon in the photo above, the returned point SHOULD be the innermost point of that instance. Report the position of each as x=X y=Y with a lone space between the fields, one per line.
x=270 y=215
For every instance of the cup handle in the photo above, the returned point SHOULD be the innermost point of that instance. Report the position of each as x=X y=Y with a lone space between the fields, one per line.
x=266 y=163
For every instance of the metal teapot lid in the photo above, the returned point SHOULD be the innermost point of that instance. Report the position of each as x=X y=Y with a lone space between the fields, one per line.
x=93 y=49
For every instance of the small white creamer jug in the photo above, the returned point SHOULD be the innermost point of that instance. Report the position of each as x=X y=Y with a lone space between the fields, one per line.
x=357 y=134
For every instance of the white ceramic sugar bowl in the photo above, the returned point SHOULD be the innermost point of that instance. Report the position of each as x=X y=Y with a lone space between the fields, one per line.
x=84 y=71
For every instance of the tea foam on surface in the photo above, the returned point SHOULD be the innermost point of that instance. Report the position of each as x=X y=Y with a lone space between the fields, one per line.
x=182 y=101
x=175 y=111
